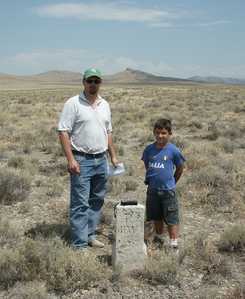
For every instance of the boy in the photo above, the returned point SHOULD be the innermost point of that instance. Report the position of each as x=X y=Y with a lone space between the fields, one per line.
x=164 y=165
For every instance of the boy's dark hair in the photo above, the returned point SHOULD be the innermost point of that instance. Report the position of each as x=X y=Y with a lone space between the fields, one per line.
x=163 y=123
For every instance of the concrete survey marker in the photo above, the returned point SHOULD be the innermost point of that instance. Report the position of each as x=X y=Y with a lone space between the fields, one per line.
x=129 y=250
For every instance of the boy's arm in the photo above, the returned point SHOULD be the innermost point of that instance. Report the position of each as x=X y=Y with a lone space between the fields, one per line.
x=178 y=172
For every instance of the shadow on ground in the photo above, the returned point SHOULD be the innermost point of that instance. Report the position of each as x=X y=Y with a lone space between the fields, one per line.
x=47 y=231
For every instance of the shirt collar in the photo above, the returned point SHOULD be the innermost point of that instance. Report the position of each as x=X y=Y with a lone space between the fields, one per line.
x=82 y=97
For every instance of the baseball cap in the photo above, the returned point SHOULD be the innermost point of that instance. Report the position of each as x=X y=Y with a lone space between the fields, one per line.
x=92 y=72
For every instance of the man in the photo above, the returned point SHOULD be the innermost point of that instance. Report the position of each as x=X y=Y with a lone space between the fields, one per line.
x=85 y=133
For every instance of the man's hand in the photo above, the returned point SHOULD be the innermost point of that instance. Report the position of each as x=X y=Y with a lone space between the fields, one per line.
x=114 y=161
x=73 y=167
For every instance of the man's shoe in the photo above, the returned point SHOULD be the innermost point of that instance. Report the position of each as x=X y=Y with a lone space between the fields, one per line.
x=95 y=243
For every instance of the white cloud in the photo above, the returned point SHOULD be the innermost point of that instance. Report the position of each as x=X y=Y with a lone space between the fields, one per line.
x=162 y=25
x=214 y=23
x=125 y=11
x=107 y=11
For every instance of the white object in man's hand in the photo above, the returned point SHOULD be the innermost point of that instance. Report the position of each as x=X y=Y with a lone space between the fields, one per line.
x=118 y=170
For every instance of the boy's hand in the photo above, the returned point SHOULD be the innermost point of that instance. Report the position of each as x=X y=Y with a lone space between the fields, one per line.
x=178 y=172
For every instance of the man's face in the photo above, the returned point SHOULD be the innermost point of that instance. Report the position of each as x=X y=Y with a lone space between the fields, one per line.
x=162 y=136
x=92 y=85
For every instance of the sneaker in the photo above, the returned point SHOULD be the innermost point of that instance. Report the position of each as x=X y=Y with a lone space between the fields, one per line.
x=174 y=243
x=95 y=243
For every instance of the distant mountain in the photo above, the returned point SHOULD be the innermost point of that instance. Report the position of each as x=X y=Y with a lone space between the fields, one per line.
x=135 y=76
x=128 y=76
x=217 y=80
x=59 y=77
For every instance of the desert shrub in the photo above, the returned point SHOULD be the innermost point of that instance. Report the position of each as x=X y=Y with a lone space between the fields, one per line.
x=238 y=292
x=227 y=145
x=54 y=188
x=238 y=109
x=16 y=162
x=11 y=267
x=145 y=139
x=233 y=239
x=232 y=132
x=131 y=170
x=48 y=140
x=30 y=290
x=47 y=231
x=14 y=186
x=108 y=211
x=26 y=148
x=195 y=124
x=121 y=151
x=9 y=233
x=178 y=141
x=213 y=132
x=207 y=259
x=160 y=269
x=49 y=168
x=115 y=186
x=214 y=183
x=208 y=292
x=60 y=267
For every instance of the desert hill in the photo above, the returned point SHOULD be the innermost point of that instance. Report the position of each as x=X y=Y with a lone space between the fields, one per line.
x=217 y=80
x=135 y=76
x=57 y=78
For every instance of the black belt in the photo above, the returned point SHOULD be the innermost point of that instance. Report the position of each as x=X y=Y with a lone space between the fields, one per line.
x=91 y=156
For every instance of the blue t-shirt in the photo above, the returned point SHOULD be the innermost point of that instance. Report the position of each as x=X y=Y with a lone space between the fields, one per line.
x=160 y=165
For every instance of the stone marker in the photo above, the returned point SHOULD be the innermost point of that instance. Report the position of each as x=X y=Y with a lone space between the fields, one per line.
x=129 y=249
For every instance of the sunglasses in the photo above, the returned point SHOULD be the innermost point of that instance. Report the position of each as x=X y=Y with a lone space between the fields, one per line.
x=95 y=81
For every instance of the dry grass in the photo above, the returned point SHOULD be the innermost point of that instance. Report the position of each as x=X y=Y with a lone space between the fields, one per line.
x=233 y=239
x=161 y=268
x=209 y=126
x=61 y=268
x=14 y=186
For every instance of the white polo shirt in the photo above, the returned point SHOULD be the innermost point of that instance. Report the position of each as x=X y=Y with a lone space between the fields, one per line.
x=87 y=125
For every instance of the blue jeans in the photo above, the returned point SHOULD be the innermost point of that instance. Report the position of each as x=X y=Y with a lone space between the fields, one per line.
x=87 y=197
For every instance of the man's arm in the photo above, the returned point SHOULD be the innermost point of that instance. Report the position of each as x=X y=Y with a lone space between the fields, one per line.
x=178 y=172
x=112 y=151
x=73 y=166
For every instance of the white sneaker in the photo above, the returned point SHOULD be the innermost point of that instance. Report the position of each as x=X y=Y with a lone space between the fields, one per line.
x=96 y=243
x=174 y=243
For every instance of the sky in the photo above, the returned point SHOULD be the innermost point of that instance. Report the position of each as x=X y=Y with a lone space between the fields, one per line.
x=168 y=38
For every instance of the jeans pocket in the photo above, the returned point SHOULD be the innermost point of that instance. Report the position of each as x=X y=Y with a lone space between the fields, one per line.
x=173 y=207
x=79 y=158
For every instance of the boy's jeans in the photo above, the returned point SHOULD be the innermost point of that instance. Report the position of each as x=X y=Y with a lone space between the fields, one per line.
x=87 y=197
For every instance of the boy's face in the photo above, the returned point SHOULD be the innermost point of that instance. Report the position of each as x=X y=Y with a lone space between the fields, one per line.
x=162 y=136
